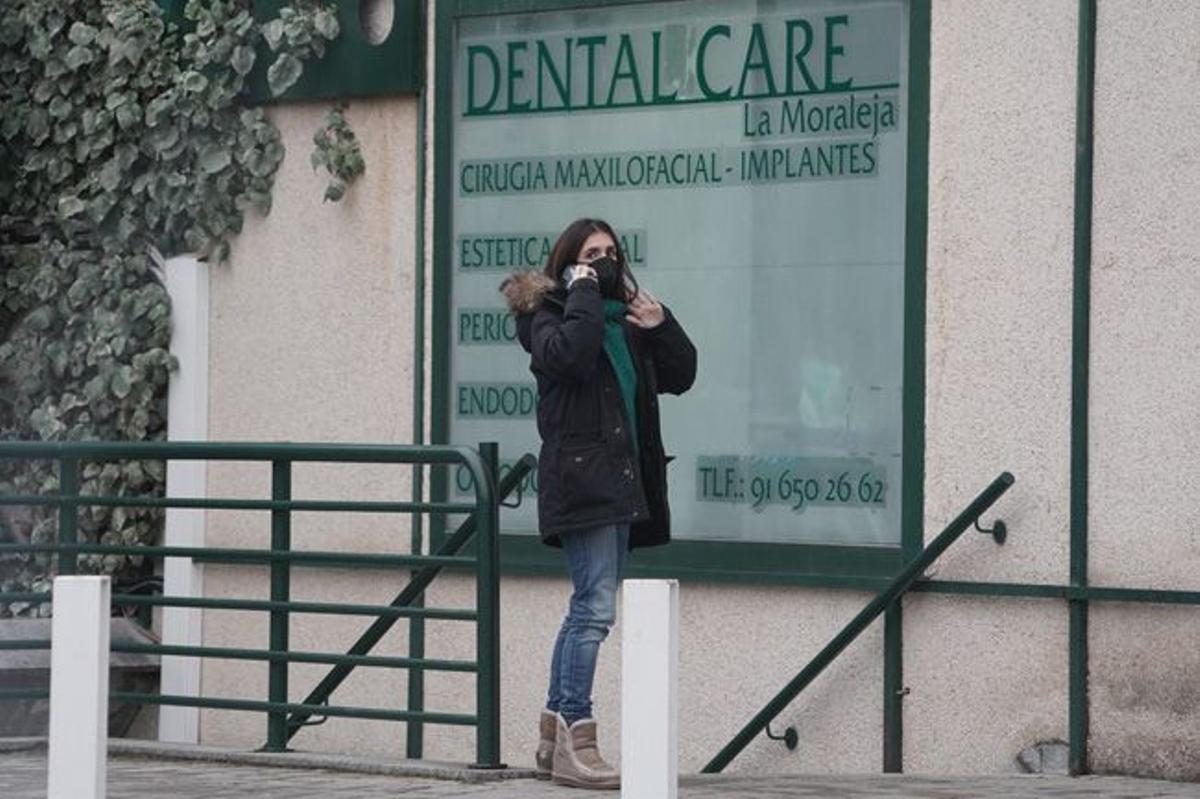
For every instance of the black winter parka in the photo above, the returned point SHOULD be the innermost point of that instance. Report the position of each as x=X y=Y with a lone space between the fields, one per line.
x=587 y=473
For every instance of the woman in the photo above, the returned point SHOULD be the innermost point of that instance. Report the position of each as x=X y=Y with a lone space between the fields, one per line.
x=602 y=350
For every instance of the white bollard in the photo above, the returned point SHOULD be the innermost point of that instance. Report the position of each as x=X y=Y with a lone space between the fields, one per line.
x=650 y=689
x=79 y=688
x=187 y=420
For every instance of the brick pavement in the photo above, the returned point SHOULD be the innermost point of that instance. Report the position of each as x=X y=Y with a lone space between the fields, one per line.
x=23 y=776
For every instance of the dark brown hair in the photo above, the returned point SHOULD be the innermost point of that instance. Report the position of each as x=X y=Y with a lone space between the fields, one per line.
x=566 y=249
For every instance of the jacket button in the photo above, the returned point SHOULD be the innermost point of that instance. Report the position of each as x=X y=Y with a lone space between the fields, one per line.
x=617 y=431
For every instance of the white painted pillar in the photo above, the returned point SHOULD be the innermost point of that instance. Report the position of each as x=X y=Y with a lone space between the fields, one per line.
x=79 y=688
x=187 y=420
x=650 y=689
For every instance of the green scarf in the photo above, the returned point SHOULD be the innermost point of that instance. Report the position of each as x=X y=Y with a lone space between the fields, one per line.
x=622 y=362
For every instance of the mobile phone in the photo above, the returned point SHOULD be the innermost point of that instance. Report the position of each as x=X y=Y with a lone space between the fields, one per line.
x=568 y=273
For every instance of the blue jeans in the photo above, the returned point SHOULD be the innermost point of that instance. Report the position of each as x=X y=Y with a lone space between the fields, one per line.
x=594 y=558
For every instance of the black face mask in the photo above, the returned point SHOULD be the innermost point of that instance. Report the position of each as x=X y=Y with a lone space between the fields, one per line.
x=608 y=273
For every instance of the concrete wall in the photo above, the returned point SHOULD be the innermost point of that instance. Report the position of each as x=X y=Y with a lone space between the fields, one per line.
x=1145 y=444
x=311 y=340
x=988 y=676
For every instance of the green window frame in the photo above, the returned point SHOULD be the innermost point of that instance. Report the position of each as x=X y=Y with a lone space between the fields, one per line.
x=708 y=561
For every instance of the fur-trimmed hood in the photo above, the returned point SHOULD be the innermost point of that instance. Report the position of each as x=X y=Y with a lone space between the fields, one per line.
x=526 y=289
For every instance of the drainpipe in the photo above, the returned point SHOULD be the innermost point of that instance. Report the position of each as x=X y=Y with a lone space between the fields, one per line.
x=1077 y=714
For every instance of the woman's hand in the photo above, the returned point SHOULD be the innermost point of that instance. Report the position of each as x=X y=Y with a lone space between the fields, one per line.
x=645 y=311
x=582 y=271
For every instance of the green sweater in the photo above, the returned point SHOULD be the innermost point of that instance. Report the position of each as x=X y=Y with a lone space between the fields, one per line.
x=622 y=362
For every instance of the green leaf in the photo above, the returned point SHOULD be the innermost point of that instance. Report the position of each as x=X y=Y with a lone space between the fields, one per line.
x=128 y=116
x=43 y=91
x=10 y=125
x=11 y=30
x=132 y=50
x=163 y=138
x=258 y=200
x=40 y=319
x=159 y=106
x=47 y=424
x=122 y=382
x=110 y=176
x=63 y=133
x=134 y=473
x=79 y=56
x=194 y=82
x=60 y=107
x=70 y=206
x=326 y=23
x=37 y=127
x=99 y=207
x=91 y=120
x=242 y=60
x=81 y=33
x=335 y=191
x=214 y=160
x=54 y=68
x=284 y=73
x=206 y=27
x=273 y=33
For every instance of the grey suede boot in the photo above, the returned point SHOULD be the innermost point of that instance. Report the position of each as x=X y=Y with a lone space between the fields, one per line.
x=577 y=760
x=544 y=759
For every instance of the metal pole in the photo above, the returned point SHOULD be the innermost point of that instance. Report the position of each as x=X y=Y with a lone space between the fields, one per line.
x=68 y=514
x=414 y=739
x=487 y=631
x=1077 y=689
x=281 y=541
x=893 y=688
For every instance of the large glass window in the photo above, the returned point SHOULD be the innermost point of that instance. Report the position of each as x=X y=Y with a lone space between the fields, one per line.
x=753 y=157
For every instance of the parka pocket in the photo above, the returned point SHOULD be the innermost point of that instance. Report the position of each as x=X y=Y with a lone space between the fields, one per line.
x=587 y=477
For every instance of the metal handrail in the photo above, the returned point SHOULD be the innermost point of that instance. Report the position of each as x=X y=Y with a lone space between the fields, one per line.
x=229 y=555
x=280 y=559
x=241 y=451
x=895 y=589
x=414 y=590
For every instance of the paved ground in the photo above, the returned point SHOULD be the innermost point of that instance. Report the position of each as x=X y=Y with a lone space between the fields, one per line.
x=23 y=776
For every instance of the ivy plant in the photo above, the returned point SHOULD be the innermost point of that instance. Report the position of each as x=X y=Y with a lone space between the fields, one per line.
x=336 y=149
x=121 y=137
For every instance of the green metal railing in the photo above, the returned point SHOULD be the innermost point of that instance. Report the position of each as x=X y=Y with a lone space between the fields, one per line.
x=885 y=599
x=410 y=596
x=284 y=718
